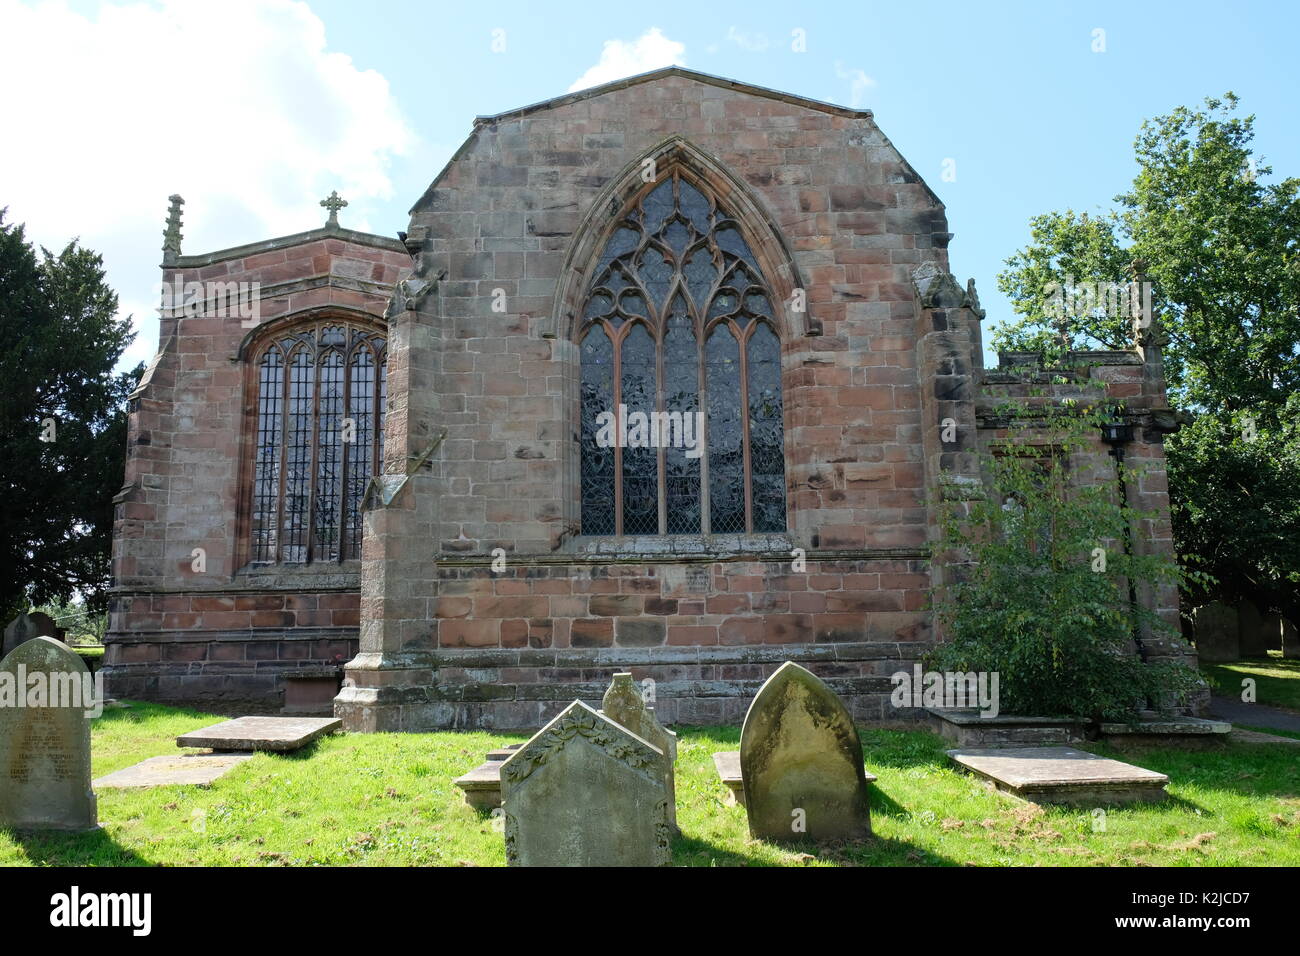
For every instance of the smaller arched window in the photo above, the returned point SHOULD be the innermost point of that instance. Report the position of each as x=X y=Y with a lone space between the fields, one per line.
x=319 y=438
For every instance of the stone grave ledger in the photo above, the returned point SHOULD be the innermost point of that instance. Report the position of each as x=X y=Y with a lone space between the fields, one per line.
x=45 y=739
x=801 y=762
x=585 y=791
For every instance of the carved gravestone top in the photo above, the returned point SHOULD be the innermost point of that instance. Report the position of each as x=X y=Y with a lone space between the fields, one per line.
x=25 y=627
x=801 y=762
x=1217 y=632
x=45 y=698
x=585 y=791
x=624 y=704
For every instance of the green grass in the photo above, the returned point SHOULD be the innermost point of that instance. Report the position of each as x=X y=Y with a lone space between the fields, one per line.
x=387 y=799
x=1277 y=680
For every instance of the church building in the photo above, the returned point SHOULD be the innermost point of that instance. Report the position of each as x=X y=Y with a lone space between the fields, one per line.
x=667 y=376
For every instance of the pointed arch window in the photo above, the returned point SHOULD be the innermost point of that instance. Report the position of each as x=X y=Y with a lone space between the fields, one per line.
x=319 y=438
x=678 y=331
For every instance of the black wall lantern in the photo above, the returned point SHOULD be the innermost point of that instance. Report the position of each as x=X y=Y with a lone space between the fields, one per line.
x=1116 y=433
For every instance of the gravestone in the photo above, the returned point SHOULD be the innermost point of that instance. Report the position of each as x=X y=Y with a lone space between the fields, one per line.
x=45 y=695
x=1250 y=631
x=26 y=627
x=1273 y=631
x=585 y=791
x=1290 y=640
x=277 y=734
x=801 y=762
x=624 y=704
x=1216 y=633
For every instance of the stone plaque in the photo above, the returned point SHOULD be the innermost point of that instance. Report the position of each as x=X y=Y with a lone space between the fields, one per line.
x=801 y=762
x=1217 y=637
x=585 y=791
x=45 y=700
x=624 y=704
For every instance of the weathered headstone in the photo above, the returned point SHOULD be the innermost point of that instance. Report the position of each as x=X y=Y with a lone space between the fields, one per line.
x=46 y=697
x=1250 y=631
x=1290 y=640
x=624 y=704
x=1216 y=633
x=585 y=791
x=26 y=627
x=801 y=762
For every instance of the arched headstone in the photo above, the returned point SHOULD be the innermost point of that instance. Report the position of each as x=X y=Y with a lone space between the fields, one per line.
x=45 y=699
x=585 y=791
x=801 y=762
x=25 y=627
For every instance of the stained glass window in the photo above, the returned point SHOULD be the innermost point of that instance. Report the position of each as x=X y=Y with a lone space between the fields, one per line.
x=319 y=435
x=681 y=417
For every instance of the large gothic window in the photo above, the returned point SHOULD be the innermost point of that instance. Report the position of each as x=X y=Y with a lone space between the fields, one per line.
x=678 y=331
x=319 y=438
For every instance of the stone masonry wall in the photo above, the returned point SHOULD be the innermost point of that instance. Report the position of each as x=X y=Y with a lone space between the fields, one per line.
x=230 y=630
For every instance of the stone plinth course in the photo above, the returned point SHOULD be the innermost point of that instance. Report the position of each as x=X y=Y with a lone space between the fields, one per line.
x=1063 y=775
x=279 y=734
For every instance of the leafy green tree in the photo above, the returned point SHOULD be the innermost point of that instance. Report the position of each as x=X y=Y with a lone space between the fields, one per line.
x=1222 y=243
x=1044 y=600
x=62 y=422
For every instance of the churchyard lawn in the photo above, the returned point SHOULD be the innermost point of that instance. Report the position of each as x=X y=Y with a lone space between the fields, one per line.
x=388 y=799
x=1277 y=680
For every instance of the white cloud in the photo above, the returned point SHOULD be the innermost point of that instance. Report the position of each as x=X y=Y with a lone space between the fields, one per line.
x=237 y=106
x=618 y=59
x=859 y=83
x=750 y=42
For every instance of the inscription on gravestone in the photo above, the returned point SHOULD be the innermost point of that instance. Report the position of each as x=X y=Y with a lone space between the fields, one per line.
x=45 y=739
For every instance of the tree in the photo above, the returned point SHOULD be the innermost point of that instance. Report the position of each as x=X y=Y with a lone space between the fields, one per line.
x=1041 y=595
x=1223 y=248
x=62 y=422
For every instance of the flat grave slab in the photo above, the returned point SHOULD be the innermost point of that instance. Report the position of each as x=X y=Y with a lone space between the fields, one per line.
x=1177 y=731
x=727 y=763
x=191 y=769
x=966 y=728
x=279 y=734
x=1063 y=775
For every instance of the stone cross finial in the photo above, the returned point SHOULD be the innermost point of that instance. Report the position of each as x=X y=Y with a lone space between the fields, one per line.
x=333 y=203
x=172 y=234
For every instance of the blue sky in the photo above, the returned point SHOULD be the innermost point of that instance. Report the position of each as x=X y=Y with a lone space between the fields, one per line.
x=254 y=110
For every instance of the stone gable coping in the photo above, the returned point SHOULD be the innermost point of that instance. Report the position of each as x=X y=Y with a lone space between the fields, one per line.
x=707 y=78
x=284 y=242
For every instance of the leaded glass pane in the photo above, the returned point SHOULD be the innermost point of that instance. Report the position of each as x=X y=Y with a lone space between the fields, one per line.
x=298 y=454
x=640 y=461
x=329 y=457
x=681 y=402
x=725 y=434
x=676 y=237
x=266 y=463
x=597 y=456
x=766 y=458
